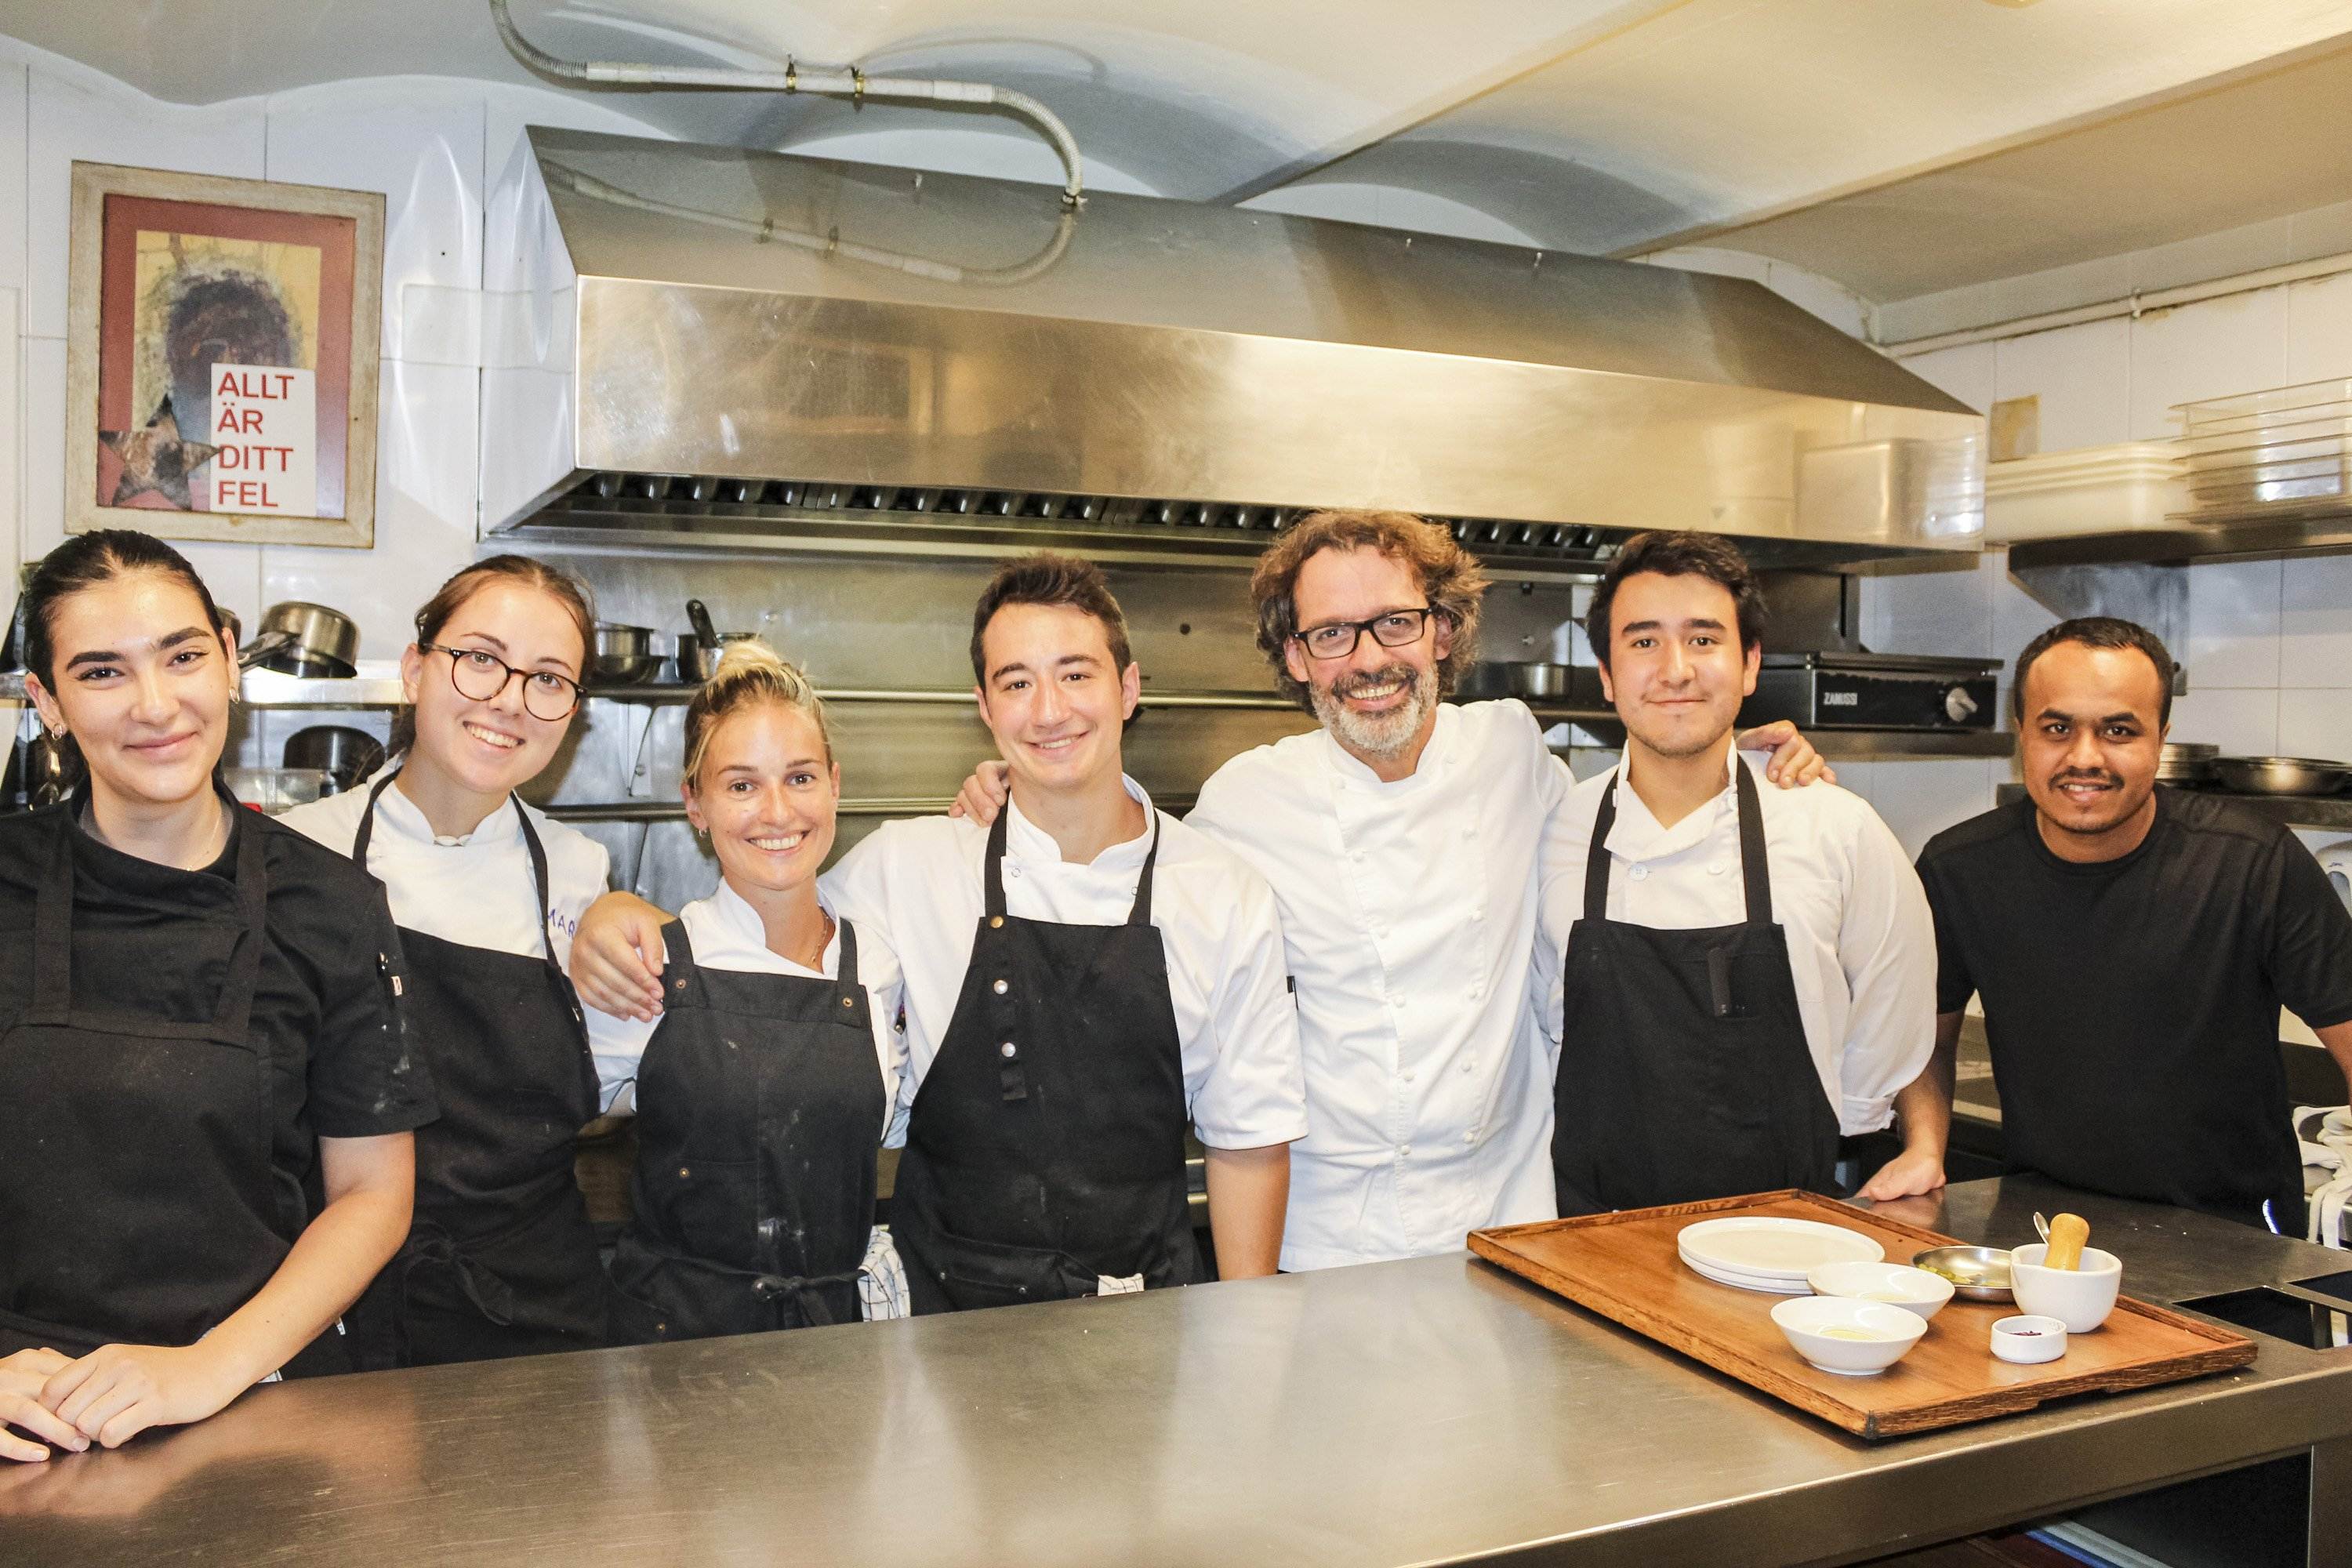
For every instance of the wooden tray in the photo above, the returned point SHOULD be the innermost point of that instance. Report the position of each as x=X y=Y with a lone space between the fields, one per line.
x=1624 y=1266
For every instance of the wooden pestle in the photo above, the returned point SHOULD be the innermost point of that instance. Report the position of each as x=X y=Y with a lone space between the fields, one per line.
x=2068 y=1232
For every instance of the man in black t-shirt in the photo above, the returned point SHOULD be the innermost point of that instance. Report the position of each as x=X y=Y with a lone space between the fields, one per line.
x=2132 y=946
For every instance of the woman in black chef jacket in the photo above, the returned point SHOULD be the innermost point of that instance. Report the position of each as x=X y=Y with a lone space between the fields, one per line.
x=485 y=891
x=763 y=1092
x=206 y=1093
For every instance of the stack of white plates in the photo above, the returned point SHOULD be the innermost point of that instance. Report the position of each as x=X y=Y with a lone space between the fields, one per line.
x=1758 y=1252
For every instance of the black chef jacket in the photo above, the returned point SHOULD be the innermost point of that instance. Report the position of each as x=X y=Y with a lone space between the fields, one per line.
x=2132 y=1006
x=324 y=1003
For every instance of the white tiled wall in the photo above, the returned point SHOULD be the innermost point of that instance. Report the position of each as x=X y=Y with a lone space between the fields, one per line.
x=2269 y=643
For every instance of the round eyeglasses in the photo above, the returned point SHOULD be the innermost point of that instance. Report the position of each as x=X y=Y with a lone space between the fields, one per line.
x=1395 y=628
x=481 y=677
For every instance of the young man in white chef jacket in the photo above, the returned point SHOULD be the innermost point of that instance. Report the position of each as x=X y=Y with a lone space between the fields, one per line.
x=1665 y=1094
x=1401 y=839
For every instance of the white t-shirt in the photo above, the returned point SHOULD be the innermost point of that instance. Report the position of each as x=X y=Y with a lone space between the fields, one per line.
x=1409 y=914
x=726 y=933
x=1862 y=945
x=476 y=890
x=921 y=881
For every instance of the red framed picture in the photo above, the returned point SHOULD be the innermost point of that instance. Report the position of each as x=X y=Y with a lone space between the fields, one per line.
x=221 y=367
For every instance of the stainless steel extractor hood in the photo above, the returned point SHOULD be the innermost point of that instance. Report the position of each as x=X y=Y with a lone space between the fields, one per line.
x=705 y=344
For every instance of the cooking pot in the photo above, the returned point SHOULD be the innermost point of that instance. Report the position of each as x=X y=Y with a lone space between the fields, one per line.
x=346 y=754
x=624 y=655
x=698 y=659
x=2281 y=775
x=308 y=640
x=2187 y=763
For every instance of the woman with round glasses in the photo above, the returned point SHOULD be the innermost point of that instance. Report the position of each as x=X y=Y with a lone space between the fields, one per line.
x=487 y=892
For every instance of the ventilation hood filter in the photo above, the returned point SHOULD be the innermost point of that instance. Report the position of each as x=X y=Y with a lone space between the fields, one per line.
x=697 y=341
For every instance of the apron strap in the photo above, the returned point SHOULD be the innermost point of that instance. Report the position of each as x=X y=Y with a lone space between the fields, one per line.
x=1753 y=870
x=1140 y=915
x=232 y=1018
x=680 y=975
x=847 y=978
x=1597 y=864
x=992 y=872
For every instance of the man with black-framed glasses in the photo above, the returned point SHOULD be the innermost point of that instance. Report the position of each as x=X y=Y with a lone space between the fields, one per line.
x=1400 y=841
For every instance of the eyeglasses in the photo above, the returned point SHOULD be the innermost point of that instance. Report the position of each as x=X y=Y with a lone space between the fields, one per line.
x=480 y=676
x=1397 y=628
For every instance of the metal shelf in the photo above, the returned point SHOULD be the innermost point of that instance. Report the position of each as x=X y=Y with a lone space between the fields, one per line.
x=957 y=696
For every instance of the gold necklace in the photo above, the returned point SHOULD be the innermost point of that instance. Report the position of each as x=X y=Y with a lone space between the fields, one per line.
x=823 y=941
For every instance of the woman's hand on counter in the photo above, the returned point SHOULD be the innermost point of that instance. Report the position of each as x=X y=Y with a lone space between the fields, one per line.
x=118 y=1390
x=22 y=1376
x=1794 y=760
x=616 y=957
x=983 y=794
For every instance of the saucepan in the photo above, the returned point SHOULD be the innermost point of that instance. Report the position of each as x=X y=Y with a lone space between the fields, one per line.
x=308 y=640
x=345 y=754
x=697 y=654
x=2281 y=775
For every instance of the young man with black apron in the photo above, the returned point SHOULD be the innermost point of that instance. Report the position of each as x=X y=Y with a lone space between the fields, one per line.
x=1116 y=979
x=1747 y=974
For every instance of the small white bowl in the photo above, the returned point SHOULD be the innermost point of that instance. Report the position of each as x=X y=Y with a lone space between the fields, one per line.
x=2079 y=1298
x=2028 y=1339
x=1890 y=1332
x=1896 y=1284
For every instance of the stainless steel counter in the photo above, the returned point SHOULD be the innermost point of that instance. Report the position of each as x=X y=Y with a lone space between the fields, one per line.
x=1428 y=1411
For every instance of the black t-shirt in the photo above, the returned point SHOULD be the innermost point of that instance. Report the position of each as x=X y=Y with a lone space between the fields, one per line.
x=324 y=1006
x=2132 y=1006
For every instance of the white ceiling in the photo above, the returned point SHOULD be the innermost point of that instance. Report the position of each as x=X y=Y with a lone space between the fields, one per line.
x=1598 y=125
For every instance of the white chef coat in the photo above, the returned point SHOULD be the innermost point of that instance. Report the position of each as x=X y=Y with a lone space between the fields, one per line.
x=1862 y=945
x=474 y=890
x=1409 y=915
x=726 y=933
x=921 y=882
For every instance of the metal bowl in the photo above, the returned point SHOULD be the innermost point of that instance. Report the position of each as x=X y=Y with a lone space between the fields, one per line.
x=624 y=655
x=1543 y=682
x=2281 y=775
x=1976 y=1273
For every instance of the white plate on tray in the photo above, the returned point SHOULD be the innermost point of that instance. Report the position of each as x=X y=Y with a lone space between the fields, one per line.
x=1764 y=1247
x=1771 y=1285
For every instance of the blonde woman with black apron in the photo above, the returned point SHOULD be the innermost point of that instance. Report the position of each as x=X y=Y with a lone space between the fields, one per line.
x=763 y=1092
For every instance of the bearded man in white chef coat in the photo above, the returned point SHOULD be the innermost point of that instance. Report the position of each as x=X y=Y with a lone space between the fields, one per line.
x=1401 y=839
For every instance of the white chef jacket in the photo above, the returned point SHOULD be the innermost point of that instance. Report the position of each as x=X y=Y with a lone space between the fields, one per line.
x=726 y=933
x=1409 y=916
x=474 y=890
x=1862 y=945
x=920 y=881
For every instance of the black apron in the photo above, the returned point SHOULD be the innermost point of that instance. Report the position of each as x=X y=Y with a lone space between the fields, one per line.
x=500 y=1259
x=1684 y=1071
x=142 y=1205
x=759 y=1110
x=1045 y=1149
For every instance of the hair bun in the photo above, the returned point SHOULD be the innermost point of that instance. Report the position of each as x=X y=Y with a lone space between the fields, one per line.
x=744 y=654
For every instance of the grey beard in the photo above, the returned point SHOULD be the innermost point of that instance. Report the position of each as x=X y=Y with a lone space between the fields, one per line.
x=1383 y=735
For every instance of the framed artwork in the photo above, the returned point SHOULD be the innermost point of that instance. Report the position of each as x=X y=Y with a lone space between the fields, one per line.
x=221 y=358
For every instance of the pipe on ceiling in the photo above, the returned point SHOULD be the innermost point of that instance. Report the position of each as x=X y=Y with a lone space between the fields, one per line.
x=841 y=82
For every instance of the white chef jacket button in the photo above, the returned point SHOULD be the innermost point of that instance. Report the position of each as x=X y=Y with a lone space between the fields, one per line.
x=1395 y=1000
x=1356 y=854
x=1477 y=914
x=1408 y=1076
x=1404 y=1149
x=1641 y=873
x=1716 y=867
x=1001 y=987
x=1007 y=1051
x=1468 y=1063
x=1014 y=870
